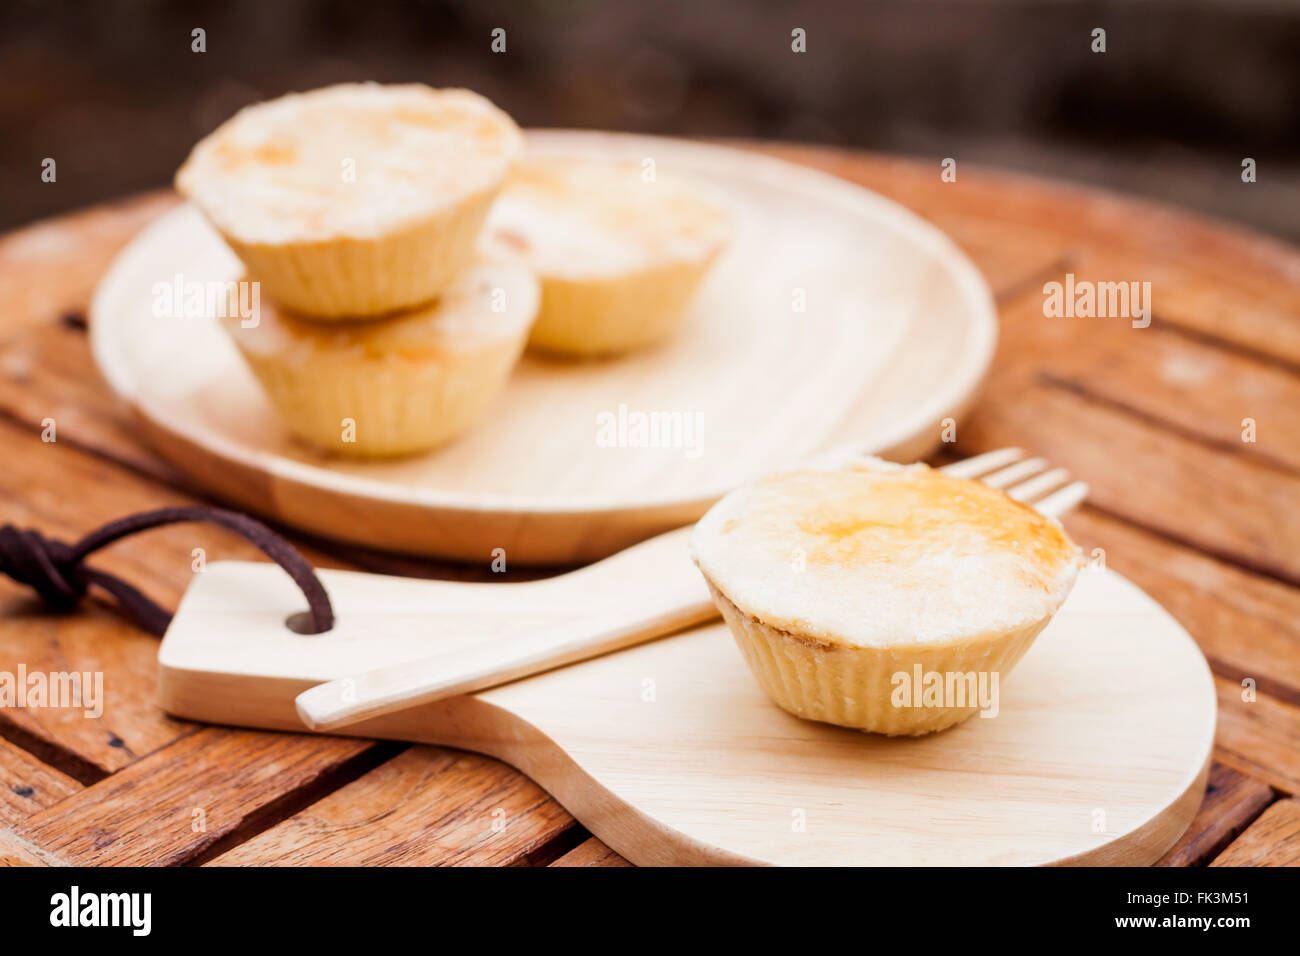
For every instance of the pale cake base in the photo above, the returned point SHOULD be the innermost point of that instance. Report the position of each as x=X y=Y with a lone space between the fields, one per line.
x=607 y=316
x=397 y=406
x=853 y=686
x=351 y=278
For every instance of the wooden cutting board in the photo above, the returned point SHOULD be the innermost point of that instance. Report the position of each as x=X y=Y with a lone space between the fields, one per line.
x=835 y=320
x=671 y=754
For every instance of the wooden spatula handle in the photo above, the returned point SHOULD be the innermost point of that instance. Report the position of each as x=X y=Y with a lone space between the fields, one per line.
x=667 y=594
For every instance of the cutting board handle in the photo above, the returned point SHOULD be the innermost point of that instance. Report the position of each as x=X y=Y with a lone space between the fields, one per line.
x=644 y=592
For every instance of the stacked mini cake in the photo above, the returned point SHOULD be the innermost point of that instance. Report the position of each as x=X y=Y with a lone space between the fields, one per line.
x=358 y=209
x=390 y=317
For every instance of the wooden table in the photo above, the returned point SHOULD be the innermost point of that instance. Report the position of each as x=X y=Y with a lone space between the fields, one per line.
x=1207 y=523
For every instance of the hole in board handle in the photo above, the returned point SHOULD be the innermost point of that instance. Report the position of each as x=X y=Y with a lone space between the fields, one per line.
x=301 y=623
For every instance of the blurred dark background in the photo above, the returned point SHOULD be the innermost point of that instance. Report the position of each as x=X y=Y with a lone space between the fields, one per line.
x=1185 y=91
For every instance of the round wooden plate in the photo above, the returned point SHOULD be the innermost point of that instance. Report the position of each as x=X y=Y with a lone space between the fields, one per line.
x=835 y=320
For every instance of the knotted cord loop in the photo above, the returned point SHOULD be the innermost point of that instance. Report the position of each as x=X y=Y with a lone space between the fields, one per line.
x=58 y=572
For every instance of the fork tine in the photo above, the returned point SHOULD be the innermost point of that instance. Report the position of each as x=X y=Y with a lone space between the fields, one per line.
x=1016 y=473
x=1059 y=502
x=1039 y=485
x=983 y=464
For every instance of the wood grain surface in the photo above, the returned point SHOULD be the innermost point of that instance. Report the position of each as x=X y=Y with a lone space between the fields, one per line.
x=1272 y=840
x=1204 y=522
x=427 y=806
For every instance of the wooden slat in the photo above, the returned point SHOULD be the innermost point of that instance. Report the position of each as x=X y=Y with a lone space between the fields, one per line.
x=428 y=806
x=168 y=807
x=35 y=485
x=1272 y=840
x=1011 y=258
x=16 y=852
x=46 y=372
x=1010 y=254
x=1225 y=505
x=1224 y=301
x=591 y=853
x=1232 y=802
x=28 y=786
x=1158 y=374
x=1213 y=277
x=51 y=268
x=93 y=640
x=1258 y=737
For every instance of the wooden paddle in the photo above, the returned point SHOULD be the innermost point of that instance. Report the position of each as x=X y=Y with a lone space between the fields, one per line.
x=679 y=599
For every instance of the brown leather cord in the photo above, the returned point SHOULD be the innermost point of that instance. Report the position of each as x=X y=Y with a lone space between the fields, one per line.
x=57 y=572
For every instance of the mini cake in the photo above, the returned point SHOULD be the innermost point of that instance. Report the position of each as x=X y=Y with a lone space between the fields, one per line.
x=845 y=586
x=399 y=385
x=619 y=258
x=354 y=200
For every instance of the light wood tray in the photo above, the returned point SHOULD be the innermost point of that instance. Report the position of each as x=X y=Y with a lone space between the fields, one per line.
x=898 y=330
x=670 y=753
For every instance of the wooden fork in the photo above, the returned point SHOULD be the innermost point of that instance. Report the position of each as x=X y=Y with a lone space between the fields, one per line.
x=680 y=600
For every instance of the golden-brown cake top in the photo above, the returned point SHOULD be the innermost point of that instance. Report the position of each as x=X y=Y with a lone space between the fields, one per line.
x=353 y=160
x=877 y=554
x=581 y=216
